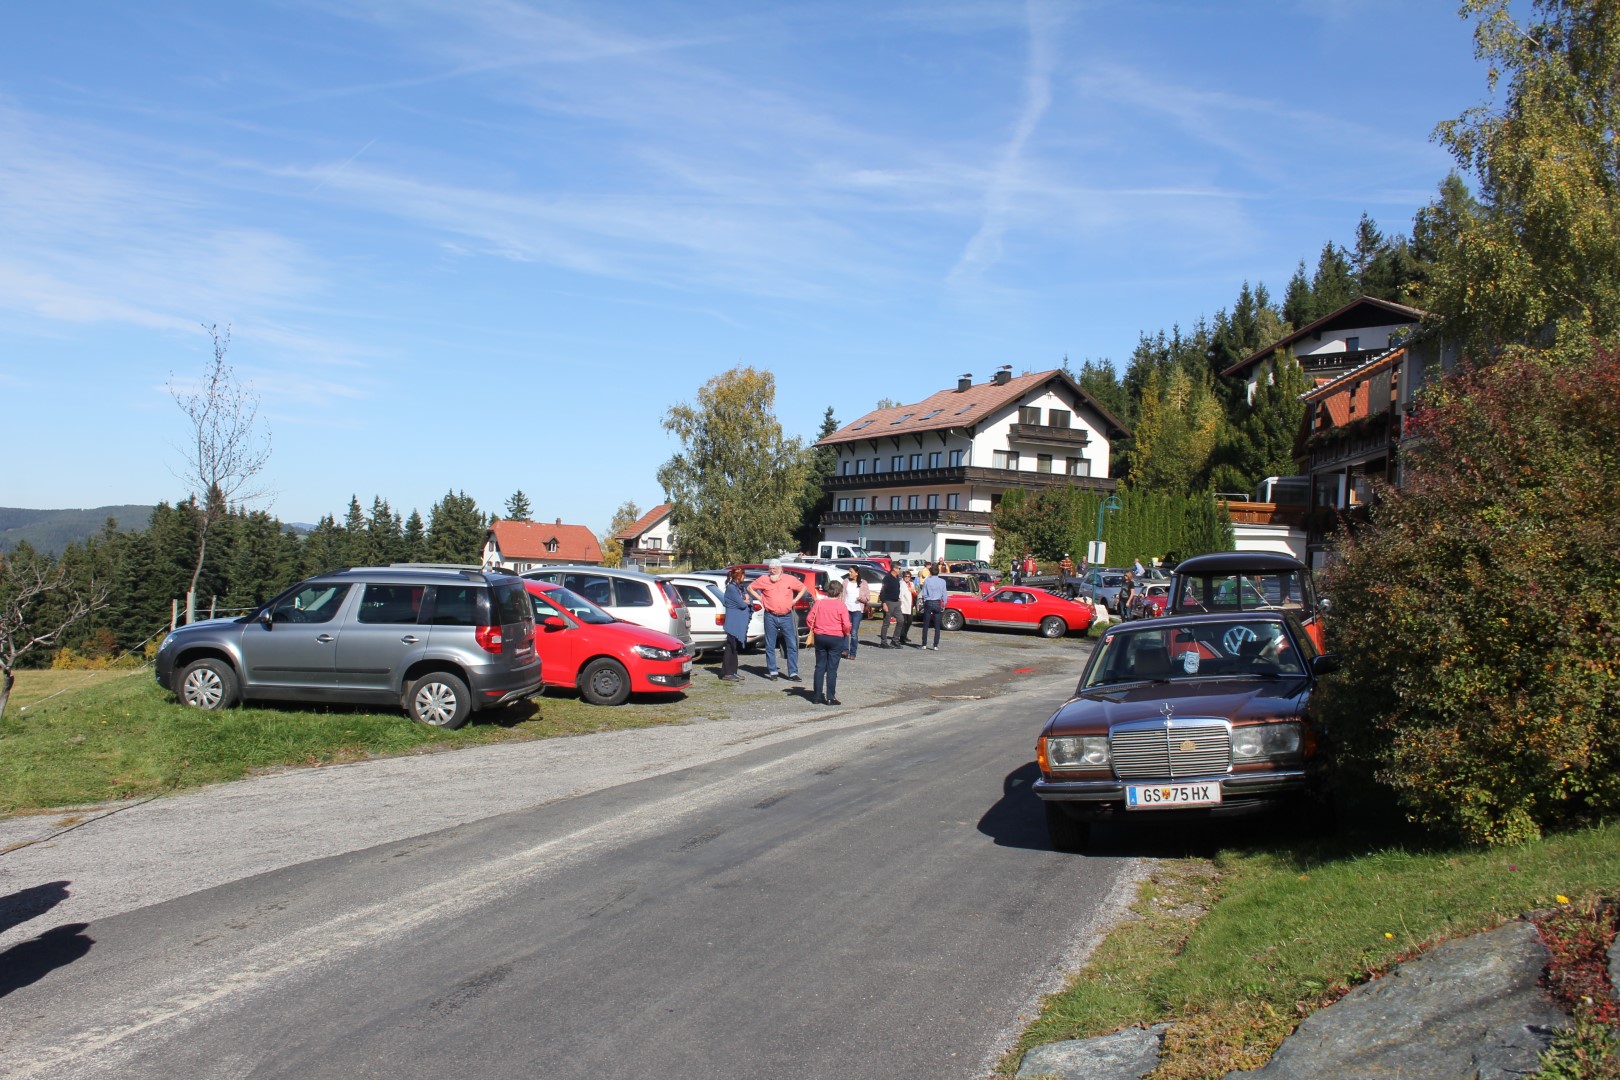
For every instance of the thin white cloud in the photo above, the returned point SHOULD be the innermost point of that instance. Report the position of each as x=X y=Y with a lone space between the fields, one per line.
x=984 y=249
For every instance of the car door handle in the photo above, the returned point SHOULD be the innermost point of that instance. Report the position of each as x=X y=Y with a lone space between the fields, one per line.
x=325 y=639
x=410 y=639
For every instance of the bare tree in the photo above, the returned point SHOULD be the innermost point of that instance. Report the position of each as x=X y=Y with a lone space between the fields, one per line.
x=227 y=450
x=24 y=583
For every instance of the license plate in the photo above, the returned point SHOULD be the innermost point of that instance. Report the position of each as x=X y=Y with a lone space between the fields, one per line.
x=1169 y=796
x=686 y=668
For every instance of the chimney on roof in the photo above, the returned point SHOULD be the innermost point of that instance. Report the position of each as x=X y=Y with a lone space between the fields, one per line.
x=1003 y=375
x=559 y=521
x=965 y=382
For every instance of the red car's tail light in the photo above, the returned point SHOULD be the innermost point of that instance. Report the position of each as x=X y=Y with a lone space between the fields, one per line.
x=489 y=638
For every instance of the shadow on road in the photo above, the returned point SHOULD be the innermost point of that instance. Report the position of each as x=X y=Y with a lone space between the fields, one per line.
x=31 y=961
x=1017 y=820
x=30 y=903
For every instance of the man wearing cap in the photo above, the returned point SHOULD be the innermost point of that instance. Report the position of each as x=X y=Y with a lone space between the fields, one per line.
x=777 y=593
x=1065 y=575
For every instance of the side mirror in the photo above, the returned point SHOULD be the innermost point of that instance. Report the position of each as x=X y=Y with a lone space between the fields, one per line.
x=1325 y=664
x=266 y=619
x=552 y=622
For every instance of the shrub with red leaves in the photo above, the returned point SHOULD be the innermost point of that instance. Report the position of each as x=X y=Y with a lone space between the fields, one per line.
x=1579 y=938
x=1478 y=616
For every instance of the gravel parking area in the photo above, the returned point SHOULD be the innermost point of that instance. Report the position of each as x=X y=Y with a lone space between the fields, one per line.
x=79 y=865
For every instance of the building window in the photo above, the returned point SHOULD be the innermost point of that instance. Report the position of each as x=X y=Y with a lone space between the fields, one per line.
x=1058 y=417
x=843 y=505
x=551 y=546
x=935 y=459
x=911 y=502
x=933 y=502
x=916 y=461
x=877 y=464
x=653 y=542
x=1078 y=466
x=860 y=504
x=897 y=462
x=843 y=467
x=956 y=459
x=1004 y=459
x=1352 y=344
x=951 y=501
x=860 y=467
x=1029 y=414
x=894 y=502
x=1043 y=462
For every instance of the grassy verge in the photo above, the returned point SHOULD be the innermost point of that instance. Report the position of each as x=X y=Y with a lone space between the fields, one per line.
x=1234 y=950
x=74 y=737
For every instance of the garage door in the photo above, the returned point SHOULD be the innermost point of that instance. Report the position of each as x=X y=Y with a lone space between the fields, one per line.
x=961 y=549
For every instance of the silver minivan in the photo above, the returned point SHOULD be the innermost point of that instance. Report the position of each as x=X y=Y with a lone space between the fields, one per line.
x=630 y=595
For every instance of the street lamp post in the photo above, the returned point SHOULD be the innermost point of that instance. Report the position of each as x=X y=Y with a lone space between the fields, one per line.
x=866 y=519
x=1098 y=555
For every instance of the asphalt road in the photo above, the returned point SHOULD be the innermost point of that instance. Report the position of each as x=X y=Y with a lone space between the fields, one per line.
x=789 y=891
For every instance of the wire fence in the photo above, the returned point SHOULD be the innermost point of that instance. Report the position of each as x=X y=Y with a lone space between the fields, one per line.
x=111 y=667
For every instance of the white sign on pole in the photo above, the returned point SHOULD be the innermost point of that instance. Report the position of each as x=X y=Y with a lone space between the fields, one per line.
x=1096 y=552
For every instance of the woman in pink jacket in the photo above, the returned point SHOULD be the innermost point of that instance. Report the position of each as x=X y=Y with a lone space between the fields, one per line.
x=829 y=623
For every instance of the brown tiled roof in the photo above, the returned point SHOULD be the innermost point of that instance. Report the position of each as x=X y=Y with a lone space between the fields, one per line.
x=529 y=539
x=1388 y=307
x=1325 y=387
x=644 y=522
x=954 y=408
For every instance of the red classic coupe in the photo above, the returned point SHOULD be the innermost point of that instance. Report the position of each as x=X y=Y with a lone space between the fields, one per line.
x=1017 y=607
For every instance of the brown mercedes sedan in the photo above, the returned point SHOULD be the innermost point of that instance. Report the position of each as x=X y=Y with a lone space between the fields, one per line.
x=1197 y=715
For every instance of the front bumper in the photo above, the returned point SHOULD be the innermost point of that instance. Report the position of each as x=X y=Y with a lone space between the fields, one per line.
x=1241 y=793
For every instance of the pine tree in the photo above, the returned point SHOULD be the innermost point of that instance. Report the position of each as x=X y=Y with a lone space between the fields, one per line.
x=456 y=530
x=517 y=507
x=1334 y=284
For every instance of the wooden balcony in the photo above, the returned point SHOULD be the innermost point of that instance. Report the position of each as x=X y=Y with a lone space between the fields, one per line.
x=961 y=475
x=1047 y=435
x=1291 y=515
x=906 y=517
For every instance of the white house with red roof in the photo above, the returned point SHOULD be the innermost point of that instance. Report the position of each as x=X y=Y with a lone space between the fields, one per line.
x=924 y=479
x=1339 y=341
x=524 y=545
x=649 y=540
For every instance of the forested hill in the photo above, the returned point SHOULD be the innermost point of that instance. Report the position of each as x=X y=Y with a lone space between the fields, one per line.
x=53 y=530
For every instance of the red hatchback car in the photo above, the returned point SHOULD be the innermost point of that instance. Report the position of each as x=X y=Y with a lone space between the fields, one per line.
x=606 y=659
x=1019 y=608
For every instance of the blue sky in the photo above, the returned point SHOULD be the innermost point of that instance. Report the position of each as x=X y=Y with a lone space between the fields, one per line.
x=483 y=246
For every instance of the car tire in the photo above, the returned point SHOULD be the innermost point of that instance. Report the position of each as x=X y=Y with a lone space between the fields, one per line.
x=604 y=682
x=438 y=699
x=1065 y=833
x=952 y=619
x=208 y=684
x=1053 y=627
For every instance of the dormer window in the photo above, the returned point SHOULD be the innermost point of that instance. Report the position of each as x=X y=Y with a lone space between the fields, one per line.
x=551 y=547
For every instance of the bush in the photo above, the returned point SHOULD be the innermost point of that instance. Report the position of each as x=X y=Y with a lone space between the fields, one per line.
x=1477 y=614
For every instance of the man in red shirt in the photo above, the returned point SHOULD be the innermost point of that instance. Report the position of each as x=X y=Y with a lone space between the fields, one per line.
x=777 y=593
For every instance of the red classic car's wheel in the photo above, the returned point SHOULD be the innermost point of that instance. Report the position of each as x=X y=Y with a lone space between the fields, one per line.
x=953 y=619
x=1052 y=626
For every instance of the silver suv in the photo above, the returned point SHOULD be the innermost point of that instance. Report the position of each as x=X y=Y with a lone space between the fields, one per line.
x=438 y=642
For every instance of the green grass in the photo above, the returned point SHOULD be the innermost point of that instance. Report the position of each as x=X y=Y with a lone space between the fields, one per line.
x=1236 y=949
x=75 y=737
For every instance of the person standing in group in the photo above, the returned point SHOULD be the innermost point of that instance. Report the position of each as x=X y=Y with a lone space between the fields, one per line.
x=1030 y=568
x=1138 y=568
x=1066 y=576
x=830 y=630
x=1016 y=571
x=1127 y=590
x=889 y=597
x=856 y=597
x=739 y=610
x=777 y=593
x=908 y=604
x=933 y=602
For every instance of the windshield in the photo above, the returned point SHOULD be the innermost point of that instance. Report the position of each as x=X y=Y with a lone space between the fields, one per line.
x=1250 y=648
x=554 y=600
x=1285 y=590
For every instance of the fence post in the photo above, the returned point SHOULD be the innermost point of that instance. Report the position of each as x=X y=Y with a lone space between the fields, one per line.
x=212 y=600
x=174 y=614
x=191 y=606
